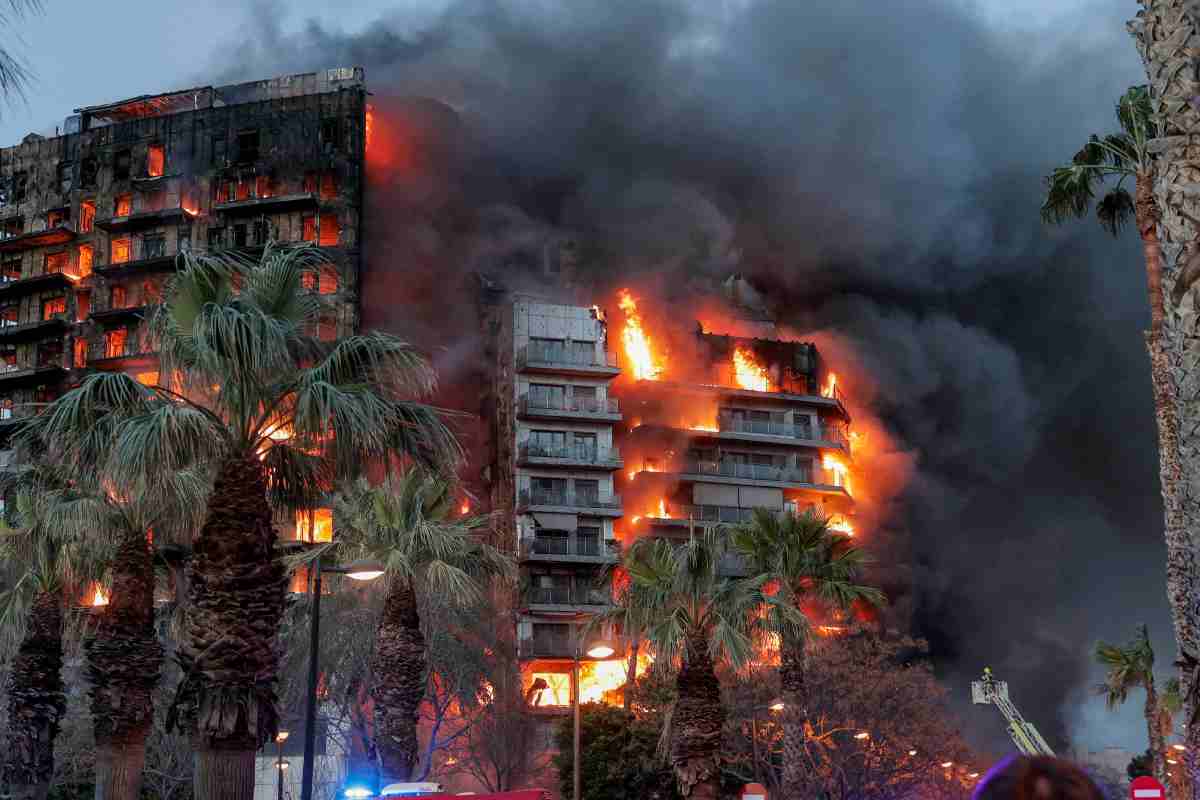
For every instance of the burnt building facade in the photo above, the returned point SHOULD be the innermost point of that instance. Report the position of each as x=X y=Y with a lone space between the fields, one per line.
x=92 y=220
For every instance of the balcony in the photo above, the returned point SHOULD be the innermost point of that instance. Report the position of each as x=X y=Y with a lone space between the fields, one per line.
x=145 y=262
x=142 y=219
x=567 y=598
x=535 y=357
x=56 y=235
x=17 y=332
x=586 y=550
x=12 y=375
x=787 y=477
x=266 y=205
x=830 y=435
x=596 y=504
x=536 y=455
x=583 y=408
x=47 y=280
x=121 y=313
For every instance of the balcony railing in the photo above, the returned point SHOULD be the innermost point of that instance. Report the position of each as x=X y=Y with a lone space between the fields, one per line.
x=552 y=355
x=756 y=472
x=568 y=595
x=567 y=499
x=570 y=405
x=825 y=433
x=578 y=453
x=709 y=514
x=589 y=546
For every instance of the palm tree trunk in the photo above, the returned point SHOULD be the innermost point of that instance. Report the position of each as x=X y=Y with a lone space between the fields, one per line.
x=398 y=667
x=631 y=675
x=1168 y=40
x=1158 y=748
x=229 y=654
x=795 y=714
x=696 y=721
x=35 y=703
x=124 y=659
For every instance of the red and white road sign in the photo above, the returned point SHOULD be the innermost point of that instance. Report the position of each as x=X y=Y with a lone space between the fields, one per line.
x=1146 y=788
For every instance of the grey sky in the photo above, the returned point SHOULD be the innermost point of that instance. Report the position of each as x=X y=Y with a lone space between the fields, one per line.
x=85 y=53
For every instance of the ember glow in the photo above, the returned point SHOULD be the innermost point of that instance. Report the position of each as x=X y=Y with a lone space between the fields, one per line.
x=748 y=373
x=841 y=475
x=98 y=597
x=637 y=344
x=370 y=123
x=840 y=525
x=830 y=387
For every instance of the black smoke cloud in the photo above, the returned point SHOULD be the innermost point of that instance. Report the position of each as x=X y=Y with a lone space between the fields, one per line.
x=876 y=167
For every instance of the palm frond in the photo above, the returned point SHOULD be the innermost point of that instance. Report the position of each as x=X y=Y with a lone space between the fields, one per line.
x=1114 y=210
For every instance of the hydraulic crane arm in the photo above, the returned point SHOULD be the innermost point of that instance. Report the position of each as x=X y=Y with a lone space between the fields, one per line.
x=1024 y=735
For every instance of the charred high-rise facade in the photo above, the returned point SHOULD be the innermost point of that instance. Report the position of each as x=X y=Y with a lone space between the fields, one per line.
x=92 y=220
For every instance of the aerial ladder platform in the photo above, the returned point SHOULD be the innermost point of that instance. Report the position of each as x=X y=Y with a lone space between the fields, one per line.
x=1024 y=735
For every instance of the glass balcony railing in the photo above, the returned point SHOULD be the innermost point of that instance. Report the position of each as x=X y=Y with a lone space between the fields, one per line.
x=536 y=353
x=591 y=546
x=568 y=595
x=568 y=499
x=578 y=453
x=824 y=433
x=572 y=405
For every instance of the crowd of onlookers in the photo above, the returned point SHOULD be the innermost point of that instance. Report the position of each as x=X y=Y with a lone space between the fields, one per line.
x=1037 y=778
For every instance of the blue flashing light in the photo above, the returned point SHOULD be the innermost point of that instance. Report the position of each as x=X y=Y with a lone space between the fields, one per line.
x=358 y=792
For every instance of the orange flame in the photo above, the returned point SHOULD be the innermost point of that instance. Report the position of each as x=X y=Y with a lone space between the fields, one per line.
x=748 y=373
x=840 y=525
x=707 y=428
x=370 y=123
x=98 y=597
x=830 y=387
x=661 y=513
x=599 y=682
x=637 y=343
x=465 y=508
x=841 y=475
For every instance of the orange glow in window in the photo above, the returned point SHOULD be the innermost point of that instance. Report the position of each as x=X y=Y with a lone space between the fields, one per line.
x=155 y=160
x=85 y=260
x=124 y=205
x=80 y=353
x=316 y=526
x=147 y=378
x=87 y=216
x=121 y=249
x=329 y=230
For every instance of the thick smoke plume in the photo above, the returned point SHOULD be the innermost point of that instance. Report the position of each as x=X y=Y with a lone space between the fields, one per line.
x=875 y=168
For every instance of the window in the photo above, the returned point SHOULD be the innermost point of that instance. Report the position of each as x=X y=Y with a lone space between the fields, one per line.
x=327 y=283
x=8 y=357
x=53 y=306
x=154 y=201
x=10 y=271
x=247 y=143
x=56 y=218
x=63 y=176
x=553 y=350
x=260 y=232
x=329 y=133
x=310 y=183
x=122 y=160
x=83 y=305
x=584 y=398
x=327 y=329
x=308 y=281
x=547 y=443
x=87 y=216
x=114 y=343
x=243 y=190
x=120 y=250
x=147 y=378
x=154 y=245
x=56 y=262
x=183 y=238
x=50 y=353
x=118 y=297
x=150 y=293
x=544 y=395
x=239 y=235
x=87 y=172
x=218 y=151
x=80 y=348
x=328 y=185
x=585 y=446
x=310 y=228
x=216 y=238
x=587 y=490
x=582 y=352
x=589 y=540
x=85 y=260
x=156 y=159
x=43 y=395
x=122 y=205
x=329 y=230
x=262 y=186
x=9 y=317
x=20 y=186
x=13 y=226
x=6 y=408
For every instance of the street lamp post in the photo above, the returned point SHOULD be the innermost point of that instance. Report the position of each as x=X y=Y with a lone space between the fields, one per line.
x=280 y=738
x=359 y=571
x=600 y=650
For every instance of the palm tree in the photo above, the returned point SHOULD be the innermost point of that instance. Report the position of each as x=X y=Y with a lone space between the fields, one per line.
x=48 y=569
x=1165 y=32
x=693 y=616
x=408 y=524
x=1128 y=667
x=14 y=74
x=278 y=417
x=810 y=564
x=124 y=657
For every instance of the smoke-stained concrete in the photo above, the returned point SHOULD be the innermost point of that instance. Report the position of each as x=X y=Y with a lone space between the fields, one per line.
x=875 y=165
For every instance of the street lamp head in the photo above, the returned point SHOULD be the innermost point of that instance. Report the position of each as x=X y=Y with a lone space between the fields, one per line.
x=947 y=764
x=281 y=737
x=282 y=764
x=777 y=704
x=600 y=649
x=862 y=735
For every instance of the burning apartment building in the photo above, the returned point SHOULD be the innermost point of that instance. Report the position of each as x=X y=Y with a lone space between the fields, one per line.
x=92 y=220
x=604 y=432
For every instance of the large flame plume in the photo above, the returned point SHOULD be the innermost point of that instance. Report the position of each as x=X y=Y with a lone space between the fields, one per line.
x=637 y=344
x=748 y=373
x=99 y=598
